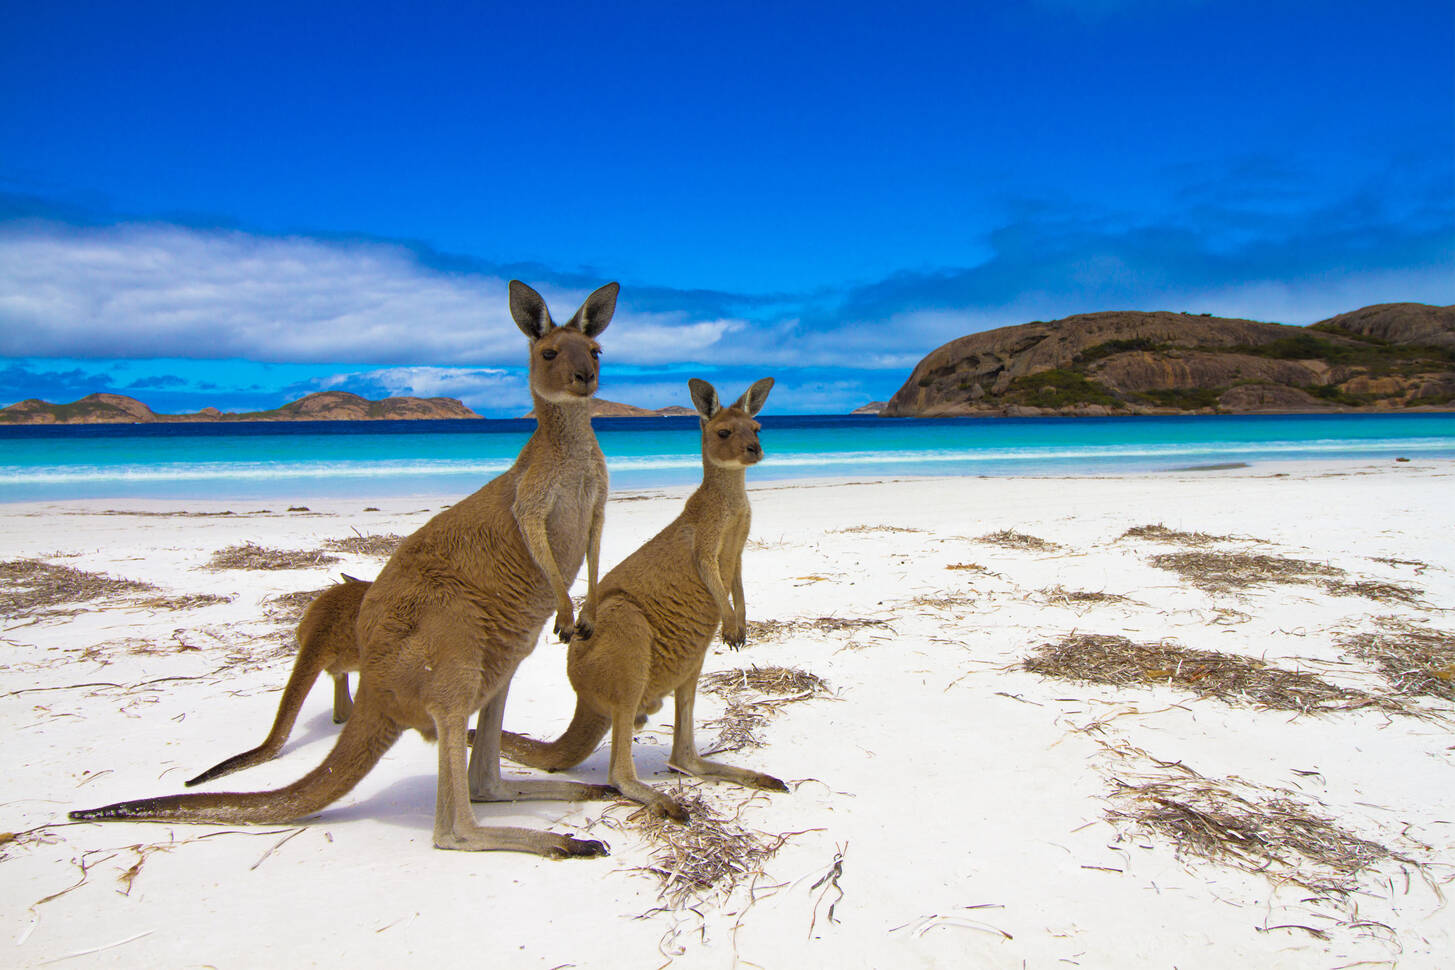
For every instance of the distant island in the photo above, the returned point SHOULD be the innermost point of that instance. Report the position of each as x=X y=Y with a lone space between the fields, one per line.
x=323 y=406
x=1390 y=357
x=611 y=409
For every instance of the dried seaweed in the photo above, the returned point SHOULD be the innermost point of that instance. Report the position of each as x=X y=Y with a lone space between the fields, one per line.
x=29 y=586
x=1223 y=572
x=781 y=681
x=1010 y=539
x=379 y=546
x=288 y=608
x=1414 y=660
x=191 y=601
x=1116 y=661
x=1272 y=831
x=759 y=630
x=944 y=600
x=1373 y=590
x=1061 y=596
x=252 y=556
x=861 y=529
x=753 y=696
x=1161 y=533
x=709 y=856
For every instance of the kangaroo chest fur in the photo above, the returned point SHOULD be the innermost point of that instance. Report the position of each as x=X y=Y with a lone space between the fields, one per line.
x=467 y=582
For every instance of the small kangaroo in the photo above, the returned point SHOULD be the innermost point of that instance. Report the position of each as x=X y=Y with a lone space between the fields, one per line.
x=457 y=607
x=326 y=641
x=657 y=612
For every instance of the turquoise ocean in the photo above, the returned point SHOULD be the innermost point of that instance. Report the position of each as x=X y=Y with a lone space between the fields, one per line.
x=394 y=458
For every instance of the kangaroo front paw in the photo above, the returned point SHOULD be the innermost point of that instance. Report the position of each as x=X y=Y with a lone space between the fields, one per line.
x=585 y=626
x=565 y=625
x=733 y=635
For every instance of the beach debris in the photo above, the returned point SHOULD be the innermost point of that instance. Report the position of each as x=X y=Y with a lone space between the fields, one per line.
x=1374 y=590
x=1270 y=831
x=759 y=630
x=1413 y=659
x=752 y=696
x=1116 y=661
x=1419 y=567
x=1074 y=598
x=862 y=529
x=191 y=601
x=252 y=556
x=1010 y=539
x=1224 y=572
x=1161 y=533
x=34 y=586
x=378 y=546
x=829 y=882
x=707 y=857
x=287 y=608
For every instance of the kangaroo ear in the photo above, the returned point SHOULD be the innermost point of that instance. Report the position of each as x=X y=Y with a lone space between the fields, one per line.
x=705 y=397
x=596 y=312
x=755 y=397
x=529 y=311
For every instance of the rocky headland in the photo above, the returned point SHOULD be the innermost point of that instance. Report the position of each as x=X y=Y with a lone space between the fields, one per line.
x=1394 y=356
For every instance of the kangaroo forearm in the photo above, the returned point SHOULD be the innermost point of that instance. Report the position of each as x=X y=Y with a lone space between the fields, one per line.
x=533 y=528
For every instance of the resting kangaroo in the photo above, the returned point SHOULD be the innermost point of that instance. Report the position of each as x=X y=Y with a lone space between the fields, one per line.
x=656 y=614
x=326 y=641
x=455 y=610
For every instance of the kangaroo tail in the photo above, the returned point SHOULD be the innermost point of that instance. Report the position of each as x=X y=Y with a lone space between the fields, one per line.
x=306 y=669
x=585 y=732
x=363 y=741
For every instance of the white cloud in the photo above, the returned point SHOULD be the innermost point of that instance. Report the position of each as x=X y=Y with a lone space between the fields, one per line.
x=168 y=291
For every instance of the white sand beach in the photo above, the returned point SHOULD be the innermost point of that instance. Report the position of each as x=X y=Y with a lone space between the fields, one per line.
x=948 y=806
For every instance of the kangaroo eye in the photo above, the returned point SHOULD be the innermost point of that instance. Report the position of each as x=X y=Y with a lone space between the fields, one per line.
x=596 y=353
x=548 y=354
x=724 y=433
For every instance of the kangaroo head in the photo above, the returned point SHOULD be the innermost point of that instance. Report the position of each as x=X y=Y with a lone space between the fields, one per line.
x=563 y=359
x=729 y=434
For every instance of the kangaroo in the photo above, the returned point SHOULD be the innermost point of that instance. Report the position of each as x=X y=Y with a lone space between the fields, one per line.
x=457 y=607
x=326 y=641
x=656 y=614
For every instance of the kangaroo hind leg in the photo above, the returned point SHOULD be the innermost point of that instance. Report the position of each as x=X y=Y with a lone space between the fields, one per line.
x=454 y=821
x=684 y=749
x=486 y=785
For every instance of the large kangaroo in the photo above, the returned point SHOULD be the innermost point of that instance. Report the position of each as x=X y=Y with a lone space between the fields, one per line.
x=326 y=642
x=657 y=612
x=455 y=610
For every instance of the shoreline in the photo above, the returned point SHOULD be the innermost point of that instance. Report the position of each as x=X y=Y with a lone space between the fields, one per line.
x=953 y=804
x=337 y=504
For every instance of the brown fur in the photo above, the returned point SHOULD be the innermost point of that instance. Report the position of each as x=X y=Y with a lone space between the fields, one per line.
x=326 y=642
x=458 y=606
x=657 y=613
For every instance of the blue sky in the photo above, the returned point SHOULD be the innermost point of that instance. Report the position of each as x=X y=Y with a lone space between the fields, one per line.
x=236 y=205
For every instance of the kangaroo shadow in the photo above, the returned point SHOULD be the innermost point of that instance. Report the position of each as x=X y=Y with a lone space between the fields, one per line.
x=410 y=802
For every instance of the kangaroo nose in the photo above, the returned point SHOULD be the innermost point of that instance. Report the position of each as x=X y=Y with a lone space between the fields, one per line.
x=583 y=376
